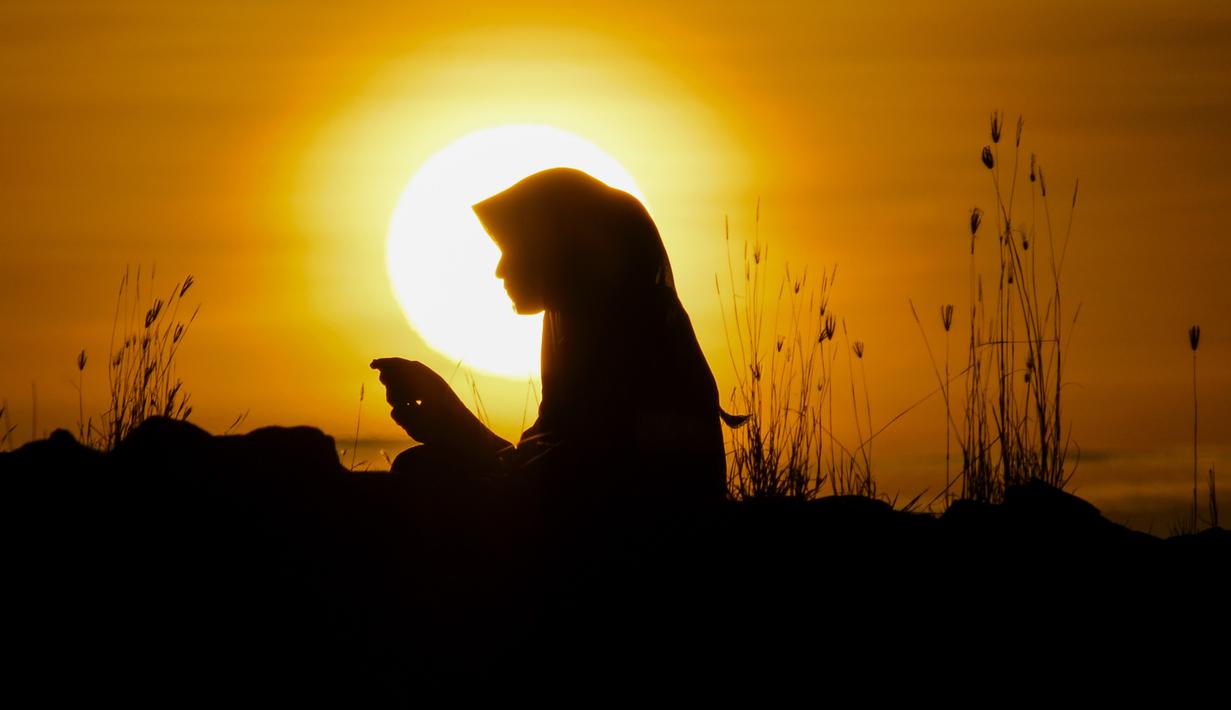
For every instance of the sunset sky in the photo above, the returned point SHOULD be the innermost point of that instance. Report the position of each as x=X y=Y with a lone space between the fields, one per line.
x=262 y=147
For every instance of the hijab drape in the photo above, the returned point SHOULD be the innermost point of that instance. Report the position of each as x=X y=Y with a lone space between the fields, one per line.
x=621 y=366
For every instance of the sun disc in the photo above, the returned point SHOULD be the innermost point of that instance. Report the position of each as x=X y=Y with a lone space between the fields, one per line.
x=442 y=263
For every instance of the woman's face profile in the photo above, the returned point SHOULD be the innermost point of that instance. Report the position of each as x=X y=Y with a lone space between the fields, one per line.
x=522 y=282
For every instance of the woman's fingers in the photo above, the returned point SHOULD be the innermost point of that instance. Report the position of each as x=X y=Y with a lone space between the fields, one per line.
x=409 y=417
x=392 y=369
x=399 y=378
x=409 y=379
x=382 y=363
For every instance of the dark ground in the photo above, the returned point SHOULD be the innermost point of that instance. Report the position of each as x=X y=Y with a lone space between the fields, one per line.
x=184 y=565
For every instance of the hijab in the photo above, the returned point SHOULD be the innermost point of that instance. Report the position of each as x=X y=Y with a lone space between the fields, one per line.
x=593 y=244
x=621 y=366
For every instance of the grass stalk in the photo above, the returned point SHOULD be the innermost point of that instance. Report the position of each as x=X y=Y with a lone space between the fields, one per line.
x=1194 y=339
x=7 y=427
x=1213 y=499
x=82 y=431
x=946 y=321
x=358 y=416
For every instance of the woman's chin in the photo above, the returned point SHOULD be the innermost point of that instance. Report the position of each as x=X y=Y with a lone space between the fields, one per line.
x=527 y=309
x=524 y=306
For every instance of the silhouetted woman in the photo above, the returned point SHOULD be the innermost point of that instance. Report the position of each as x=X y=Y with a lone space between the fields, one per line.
x=629 y=403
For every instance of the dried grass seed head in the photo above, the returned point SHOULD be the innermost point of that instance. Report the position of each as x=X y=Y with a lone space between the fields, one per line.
x=152 y=314
x=976 y=219
x=828 y=329
x=1194 y=336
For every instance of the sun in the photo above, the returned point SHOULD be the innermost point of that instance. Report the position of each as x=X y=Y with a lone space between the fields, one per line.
x=441 y=262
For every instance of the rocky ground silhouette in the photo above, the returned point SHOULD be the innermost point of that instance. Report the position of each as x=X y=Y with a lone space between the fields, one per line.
x=198 y=565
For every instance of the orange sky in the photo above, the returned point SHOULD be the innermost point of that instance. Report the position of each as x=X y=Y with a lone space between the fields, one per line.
x=261 y=147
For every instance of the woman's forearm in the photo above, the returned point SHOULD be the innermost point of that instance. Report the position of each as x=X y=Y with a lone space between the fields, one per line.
x=488 y=441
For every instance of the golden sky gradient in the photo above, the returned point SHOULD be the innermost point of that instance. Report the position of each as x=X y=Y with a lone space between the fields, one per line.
x=262 y=147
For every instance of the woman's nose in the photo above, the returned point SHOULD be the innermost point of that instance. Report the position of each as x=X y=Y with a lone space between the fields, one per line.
x=500 y=268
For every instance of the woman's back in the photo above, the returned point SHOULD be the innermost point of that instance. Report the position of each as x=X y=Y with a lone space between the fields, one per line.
x=633 y=387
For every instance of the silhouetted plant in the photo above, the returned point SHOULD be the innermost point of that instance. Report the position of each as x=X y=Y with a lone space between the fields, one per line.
x=141 y=377
x=1194 y=339
x=946 y=321
x=850 y=478
x=784 y=377
x=1011 y=427
x=7 y=427
x=1213 y=493
x=358 y=416
x=82 y=427
x=239 y=419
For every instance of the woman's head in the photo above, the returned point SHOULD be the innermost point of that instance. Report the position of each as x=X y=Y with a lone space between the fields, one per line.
x=569 y=241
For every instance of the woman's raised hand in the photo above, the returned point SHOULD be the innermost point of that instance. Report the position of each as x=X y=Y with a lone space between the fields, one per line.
x=425 y=405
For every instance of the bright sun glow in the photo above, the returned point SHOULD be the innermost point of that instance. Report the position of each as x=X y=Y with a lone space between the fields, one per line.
x=443 y=264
